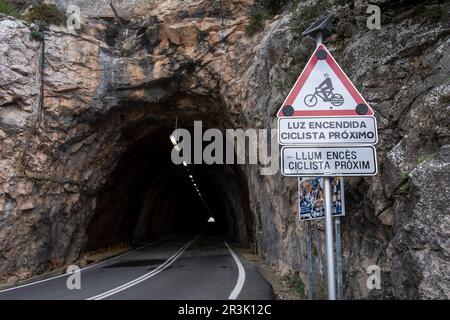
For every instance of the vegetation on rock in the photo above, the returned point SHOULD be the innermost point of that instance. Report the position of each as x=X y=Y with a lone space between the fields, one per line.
x=262 y=11
x=306 y=13
x=274 y=6
x=44 y=14
x=295 y=282
x=303 y=16
x=7 y=8
x=37 y=35
x=256 y=23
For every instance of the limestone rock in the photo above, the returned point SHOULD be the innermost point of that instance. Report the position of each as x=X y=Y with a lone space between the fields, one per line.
x=106 y=88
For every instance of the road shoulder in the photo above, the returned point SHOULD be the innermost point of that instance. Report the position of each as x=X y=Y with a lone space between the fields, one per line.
x=282 y=290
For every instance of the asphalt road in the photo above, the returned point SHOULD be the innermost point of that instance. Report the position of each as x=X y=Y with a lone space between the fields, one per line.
x=182 y=268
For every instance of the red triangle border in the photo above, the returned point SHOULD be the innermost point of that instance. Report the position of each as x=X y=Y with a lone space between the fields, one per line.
x=342 y=77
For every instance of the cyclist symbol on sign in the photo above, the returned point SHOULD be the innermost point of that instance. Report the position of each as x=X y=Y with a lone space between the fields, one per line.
x=325 y=92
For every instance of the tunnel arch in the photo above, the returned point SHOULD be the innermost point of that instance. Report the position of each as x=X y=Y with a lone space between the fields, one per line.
x=147 y=197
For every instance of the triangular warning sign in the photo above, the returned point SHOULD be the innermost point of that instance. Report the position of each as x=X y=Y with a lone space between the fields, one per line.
x=323 y=89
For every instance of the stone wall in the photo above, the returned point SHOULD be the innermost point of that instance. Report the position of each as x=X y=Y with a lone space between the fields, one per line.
x=57 y=154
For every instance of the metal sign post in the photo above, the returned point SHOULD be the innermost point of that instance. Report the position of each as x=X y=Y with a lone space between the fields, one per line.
x=329 y=239
x=310 y=261
x=308 y=245
x=337 y=231
x=328 y=221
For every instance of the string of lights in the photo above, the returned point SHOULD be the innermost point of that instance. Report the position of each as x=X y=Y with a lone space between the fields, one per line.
x=190 y=174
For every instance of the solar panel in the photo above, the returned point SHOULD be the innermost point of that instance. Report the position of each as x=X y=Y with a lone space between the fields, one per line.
x=322 y=25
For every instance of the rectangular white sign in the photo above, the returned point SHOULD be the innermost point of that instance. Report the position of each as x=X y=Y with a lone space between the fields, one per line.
x=327 y=130
x=328 y=161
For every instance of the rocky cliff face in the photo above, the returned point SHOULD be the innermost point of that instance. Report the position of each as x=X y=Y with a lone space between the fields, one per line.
x=72 y=105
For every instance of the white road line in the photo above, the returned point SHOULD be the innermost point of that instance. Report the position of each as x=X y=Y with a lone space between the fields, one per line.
x=146 y=276
x=83 y=269
x=241 y=278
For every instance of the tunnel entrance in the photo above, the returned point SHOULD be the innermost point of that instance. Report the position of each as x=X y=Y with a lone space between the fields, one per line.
x=147 y=197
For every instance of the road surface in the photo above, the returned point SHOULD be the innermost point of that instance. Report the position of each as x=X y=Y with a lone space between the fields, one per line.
x=183 y=268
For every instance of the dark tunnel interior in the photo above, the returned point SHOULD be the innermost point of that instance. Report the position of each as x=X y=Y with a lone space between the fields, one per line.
x=147 y=197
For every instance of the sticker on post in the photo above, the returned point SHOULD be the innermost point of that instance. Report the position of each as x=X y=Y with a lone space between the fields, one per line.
x=311 y=198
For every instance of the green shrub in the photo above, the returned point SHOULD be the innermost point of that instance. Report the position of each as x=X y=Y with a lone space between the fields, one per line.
x=321 y=293
x=39 y=36
x=404 y=188
x=263 y=10
x=286 y=78
x=295 y=282
x=433 y=13
x=305 y=15
x=445 y=99
x=343 y=2
x=7 y=8
x=256 y=23
x=315 y=252
x=421 y=159
x=44 y=14
x=274 y=6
